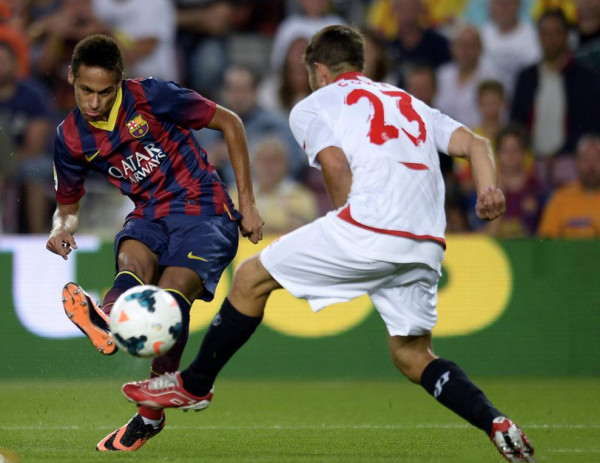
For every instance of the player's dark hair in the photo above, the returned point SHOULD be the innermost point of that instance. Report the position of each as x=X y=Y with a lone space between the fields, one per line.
x=98 y=51
x=490 y=85
x=337 y=47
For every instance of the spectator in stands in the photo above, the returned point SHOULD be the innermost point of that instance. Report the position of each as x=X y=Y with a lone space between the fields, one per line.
x=477 y=11
x=146 y=33
x=574 y=210
x=259 y=17
x=458 y=79
x=588 y=32
x=26 y=163
x=415 y=43
x=316 y=16
x=491 y=107
x=524 y=194
x=282 y=90
x=203 y=29
x=557 y=99
x=55 y=36
x=377 y=60
x=421 y=82
x=240 y=94
x=286 y=204
x=510 y=44
x=444 y=16
x=12 y=32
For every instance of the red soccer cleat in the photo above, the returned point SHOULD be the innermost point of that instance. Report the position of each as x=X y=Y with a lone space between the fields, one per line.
x=165 y=391
x=88 y=317
x=130 y=437
x=510 y=441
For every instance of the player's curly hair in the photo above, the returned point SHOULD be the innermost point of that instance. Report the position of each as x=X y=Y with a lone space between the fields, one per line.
x=98 y=51
x=337 y=47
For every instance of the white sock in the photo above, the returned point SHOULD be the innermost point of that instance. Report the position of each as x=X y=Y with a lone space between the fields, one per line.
x=154 y=423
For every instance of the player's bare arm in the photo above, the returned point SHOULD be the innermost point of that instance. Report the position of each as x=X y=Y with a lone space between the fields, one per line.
x=337 y=175
x=64 y=225
x=235 y=137
x=478 y=150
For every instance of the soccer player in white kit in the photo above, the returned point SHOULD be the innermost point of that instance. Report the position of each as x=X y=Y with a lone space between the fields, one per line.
x=377 y=147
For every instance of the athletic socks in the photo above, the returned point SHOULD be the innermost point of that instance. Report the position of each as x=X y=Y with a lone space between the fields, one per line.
x=445 y=381
x=169 y=362
x=123 y=281
x=228 y=332
x=153 y=417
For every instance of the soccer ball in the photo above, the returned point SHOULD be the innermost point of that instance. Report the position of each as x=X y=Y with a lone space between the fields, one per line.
x=145 y=321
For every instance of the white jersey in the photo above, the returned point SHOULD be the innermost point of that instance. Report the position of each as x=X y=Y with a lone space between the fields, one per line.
x=391 y=141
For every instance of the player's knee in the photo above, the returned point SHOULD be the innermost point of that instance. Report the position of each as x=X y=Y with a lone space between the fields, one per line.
x=141 y=266
x=244 y=280
x=410 y=365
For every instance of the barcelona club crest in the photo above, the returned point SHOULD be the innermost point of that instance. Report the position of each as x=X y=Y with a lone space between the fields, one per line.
x=137 y=126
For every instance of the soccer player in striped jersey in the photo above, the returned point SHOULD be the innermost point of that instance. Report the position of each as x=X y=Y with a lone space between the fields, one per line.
x=378 y=149
x=183 y=230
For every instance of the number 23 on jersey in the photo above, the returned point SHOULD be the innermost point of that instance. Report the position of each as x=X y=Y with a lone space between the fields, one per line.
x=380 y=132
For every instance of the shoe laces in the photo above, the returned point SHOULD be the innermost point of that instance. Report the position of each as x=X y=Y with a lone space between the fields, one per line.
x=166 y=381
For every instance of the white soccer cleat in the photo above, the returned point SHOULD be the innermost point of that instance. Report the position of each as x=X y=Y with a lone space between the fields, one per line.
x=510 y=441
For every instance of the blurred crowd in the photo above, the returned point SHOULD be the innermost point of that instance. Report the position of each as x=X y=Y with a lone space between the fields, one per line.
x=523 y=73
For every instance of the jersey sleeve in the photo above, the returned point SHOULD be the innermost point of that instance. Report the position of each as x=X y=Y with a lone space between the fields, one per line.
x=183 y=106
x=69 y=175
x=311 y=132
x=443 y=127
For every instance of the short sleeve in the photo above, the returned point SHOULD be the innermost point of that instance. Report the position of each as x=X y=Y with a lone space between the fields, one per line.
x=69 y=175
x=443 y=128
x=311 y=132
x=183 y=106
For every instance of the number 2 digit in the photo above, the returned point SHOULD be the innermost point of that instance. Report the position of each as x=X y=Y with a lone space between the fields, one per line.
x=379 y=132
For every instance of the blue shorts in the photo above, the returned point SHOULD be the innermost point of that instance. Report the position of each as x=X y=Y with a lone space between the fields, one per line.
x=206 y=245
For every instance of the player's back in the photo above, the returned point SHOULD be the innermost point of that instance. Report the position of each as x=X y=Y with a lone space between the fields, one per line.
x=391 y=141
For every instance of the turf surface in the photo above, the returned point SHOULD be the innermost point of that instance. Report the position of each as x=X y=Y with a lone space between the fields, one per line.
x=296 y=421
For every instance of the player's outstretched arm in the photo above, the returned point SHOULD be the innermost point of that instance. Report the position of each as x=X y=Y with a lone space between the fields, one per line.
x=235 y=137
x=64 y=225
x=478 y=150
x=337 y=175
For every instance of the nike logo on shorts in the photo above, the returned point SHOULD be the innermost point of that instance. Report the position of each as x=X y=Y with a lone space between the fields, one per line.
x=192 y=256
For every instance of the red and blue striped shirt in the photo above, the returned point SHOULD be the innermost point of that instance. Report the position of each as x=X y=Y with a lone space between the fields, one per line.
x=147 y=150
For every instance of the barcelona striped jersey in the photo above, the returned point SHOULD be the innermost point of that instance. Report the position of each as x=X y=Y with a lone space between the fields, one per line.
x=147 y=150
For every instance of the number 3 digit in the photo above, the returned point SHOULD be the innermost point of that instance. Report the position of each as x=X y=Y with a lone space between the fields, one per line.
x=379 y=132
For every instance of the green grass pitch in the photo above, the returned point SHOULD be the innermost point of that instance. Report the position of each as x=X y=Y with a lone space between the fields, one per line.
x=300 y=421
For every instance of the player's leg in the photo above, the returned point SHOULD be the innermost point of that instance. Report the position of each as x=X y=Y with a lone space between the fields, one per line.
x=137 y=264
x=240 y=314
x=136 y=248
x=184 y=285
x=407 y=304
x=134 y=258
x=448 y=383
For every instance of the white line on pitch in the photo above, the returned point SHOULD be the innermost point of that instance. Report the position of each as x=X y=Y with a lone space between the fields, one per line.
x=285 y=427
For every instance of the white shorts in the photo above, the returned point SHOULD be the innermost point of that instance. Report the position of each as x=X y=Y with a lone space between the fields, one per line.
x=313 y=264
